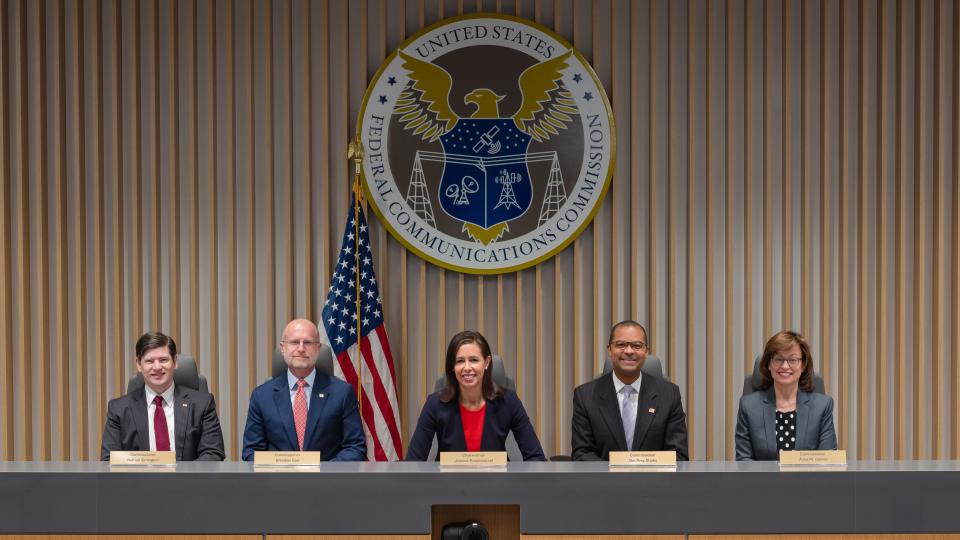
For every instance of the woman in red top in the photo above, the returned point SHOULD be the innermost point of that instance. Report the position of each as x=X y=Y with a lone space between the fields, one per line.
x=471 y=413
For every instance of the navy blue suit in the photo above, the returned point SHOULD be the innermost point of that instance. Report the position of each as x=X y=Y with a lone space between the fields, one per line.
x=333 y=421
x=502 y=415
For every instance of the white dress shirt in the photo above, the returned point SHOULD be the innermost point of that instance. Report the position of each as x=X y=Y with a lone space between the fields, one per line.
x=167 y=411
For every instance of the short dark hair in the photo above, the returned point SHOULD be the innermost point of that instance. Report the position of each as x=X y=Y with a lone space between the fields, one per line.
x=629 y=322
x=155 y=340
x=780 y=342
x=451 y=388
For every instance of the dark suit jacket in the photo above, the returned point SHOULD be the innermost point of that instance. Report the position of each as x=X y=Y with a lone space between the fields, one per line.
x=502 y=415
x=333 y=420
x=195 y=424
x=757 y=425
x=598 y=430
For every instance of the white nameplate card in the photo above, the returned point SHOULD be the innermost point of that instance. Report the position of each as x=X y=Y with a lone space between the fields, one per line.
x=286 y=459
x=473 y=459
x=813 y=458
x=666 y=458
x=126 y=458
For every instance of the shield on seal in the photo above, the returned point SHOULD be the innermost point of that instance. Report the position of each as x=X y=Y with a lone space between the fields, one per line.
x=485 y=181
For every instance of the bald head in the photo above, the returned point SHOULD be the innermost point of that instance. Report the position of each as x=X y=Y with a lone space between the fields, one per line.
x=300 y=346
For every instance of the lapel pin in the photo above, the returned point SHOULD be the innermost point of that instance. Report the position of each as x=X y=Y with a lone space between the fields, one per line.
x=320 y=395
x=651 y=410
x=183 y=404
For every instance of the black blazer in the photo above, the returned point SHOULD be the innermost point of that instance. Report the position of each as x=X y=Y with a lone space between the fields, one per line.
x=598 y=430
x=757 y=425
x=196 y=427
x=503 y=414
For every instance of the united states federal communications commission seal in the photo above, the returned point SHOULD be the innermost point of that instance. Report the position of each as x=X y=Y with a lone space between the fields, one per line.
x=489 y=143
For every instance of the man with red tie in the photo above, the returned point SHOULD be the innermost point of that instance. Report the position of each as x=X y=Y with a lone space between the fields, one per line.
x=161 y=416
x=303 y=408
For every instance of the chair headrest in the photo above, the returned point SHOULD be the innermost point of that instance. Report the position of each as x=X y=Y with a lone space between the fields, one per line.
x=186 y=374
x=324 y=361
x=651 y=366
x=500 y=377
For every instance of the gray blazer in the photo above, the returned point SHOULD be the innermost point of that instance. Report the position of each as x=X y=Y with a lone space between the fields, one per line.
x=757 y=425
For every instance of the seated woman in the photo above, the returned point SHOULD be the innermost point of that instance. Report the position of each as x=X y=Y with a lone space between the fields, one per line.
x=471 y=413
x=787 y=416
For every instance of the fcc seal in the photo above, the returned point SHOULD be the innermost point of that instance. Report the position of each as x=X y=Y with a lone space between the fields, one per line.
x=488 y=143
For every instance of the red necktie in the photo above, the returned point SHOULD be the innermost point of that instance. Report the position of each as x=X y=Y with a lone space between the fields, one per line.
x=300 y=411
x=160 y=434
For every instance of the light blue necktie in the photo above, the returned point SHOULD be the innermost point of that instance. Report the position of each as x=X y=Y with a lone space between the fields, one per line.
x=628 y=413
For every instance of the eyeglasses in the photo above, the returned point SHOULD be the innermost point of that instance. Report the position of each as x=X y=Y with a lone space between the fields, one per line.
x=792 y=362
x=635 y=345
x=296 y=344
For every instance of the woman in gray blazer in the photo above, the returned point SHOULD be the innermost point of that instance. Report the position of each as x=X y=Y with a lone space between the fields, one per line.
x=787 y=415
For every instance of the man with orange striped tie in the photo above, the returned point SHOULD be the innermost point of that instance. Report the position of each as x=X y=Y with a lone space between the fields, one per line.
x=304 y=408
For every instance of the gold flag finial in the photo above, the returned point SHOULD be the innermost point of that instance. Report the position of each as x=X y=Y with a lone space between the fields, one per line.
x=355 y=152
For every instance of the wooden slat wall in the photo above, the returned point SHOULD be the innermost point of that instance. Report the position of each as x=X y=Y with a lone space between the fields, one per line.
x=179 y=165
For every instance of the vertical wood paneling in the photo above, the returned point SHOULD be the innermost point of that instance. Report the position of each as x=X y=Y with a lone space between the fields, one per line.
x=40 y=159
x=156 y=157
x=900 y=394
x=58 y=158
x=22 y=312
x=844 y=227
x=861 y=227
x=919 y=352
x=6 y=228
x=76 y=327
x=955 y=267
x=939 y=247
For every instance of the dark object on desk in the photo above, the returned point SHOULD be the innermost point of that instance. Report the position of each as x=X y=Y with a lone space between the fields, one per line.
x=470 y=530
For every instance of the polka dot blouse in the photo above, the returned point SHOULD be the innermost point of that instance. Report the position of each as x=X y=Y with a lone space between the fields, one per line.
x=786 y=430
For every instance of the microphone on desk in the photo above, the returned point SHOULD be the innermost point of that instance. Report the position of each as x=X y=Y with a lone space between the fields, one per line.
x=470 y=530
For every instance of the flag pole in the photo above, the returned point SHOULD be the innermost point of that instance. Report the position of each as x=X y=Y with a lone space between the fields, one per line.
x=355 y=152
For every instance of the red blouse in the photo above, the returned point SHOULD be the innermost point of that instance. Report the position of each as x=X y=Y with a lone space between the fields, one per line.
x=472 y=426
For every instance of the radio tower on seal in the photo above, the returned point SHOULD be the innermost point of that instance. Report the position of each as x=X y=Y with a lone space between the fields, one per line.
x=507 y=196
x=417 y=196
x=556 y=194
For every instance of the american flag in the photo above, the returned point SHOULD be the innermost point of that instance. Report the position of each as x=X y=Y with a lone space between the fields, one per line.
x=381 y=415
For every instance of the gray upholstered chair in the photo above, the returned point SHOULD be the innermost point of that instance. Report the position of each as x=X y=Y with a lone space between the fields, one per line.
x=651 y=366
x=752 y=382
x=502 y=380
x=186 y=374
x=324 y=361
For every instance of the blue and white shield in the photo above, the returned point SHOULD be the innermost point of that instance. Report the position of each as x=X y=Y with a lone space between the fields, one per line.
x=485 y=179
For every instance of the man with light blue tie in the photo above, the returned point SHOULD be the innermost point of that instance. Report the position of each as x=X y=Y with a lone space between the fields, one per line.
x=304 y=409
x=625 y=409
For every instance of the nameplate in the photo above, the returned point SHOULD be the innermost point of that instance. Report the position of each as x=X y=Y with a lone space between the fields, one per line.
x=128 y=458
x=665 y=458
x=473 y=459
x=813 y=458
x=286 y=459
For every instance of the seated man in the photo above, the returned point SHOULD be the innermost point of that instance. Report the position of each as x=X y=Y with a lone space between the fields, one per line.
x=626 y=410
x=303 y=409
x=161 y=416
